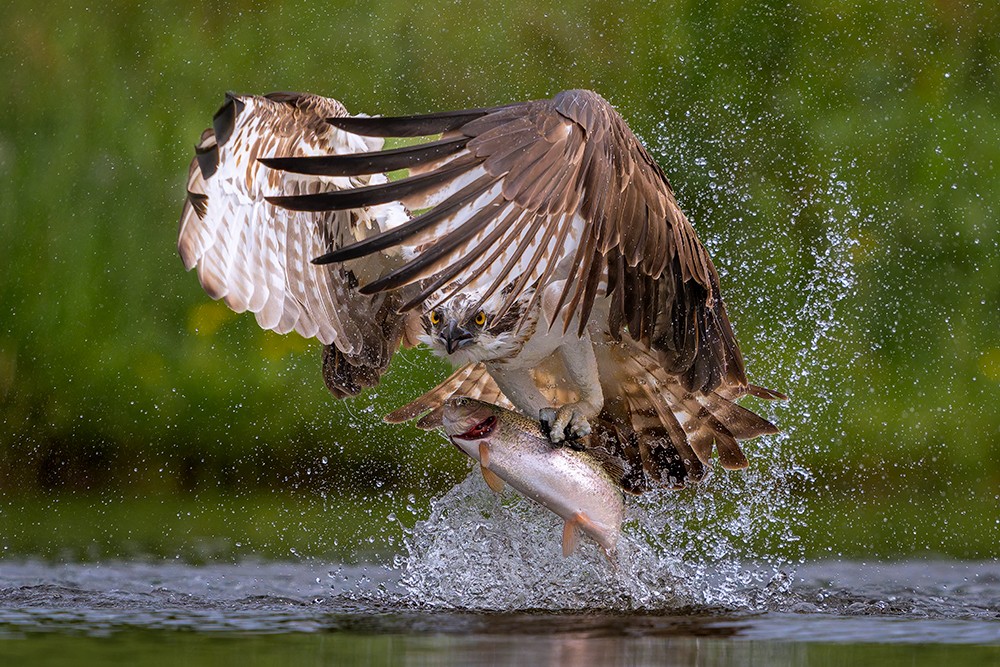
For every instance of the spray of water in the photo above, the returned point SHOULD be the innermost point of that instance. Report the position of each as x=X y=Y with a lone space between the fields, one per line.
x=730 y=542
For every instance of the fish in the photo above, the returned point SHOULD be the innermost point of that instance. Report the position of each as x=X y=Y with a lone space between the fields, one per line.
x=512 y=449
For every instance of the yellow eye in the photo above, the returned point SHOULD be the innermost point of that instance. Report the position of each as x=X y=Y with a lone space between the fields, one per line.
x=435 y=318
x=480 y=318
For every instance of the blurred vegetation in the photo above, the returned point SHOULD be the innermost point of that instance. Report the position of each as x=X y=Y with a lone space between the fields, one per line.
x=855 y=139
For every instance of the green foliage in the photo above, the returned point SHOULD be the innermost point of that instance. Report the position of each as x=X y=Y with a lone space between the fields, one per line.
x=115 y=370
x=208 y=526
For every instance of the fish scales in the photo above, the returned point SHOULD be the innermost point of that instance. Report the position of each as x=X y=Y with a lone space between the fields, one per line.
x=512 y=449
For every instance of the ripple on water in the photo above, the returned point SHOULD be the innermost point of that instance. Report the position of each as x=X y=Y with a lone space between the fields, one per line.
x=831 y=602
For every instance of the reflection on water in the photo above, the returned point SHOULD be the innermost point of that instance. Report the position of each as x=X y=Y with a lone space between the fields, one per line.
x=307 y=614
x=145 y=649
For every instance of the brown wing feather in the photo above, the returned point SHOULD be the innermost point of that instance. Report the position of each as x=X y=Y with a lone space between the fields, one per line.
x=256 y=256
x=471 y=380
x=571 y=158
x=666 y=433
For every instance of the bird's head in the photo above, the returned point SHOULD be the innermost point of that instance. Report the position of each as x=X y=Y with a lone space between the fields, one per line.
x=464 y=332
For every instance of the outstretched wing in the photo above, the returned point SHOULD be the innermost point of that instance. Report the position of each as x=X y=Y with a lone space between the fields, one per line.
x=255 y=255
x=532 y=193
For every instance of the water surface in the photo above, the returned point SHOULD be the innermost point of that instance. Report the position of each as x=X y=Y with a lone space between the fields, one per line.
x=309 y=613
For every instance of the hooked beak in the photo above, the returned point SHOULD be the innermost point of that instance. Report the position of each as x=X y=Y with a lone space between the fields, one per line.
x=455 y=337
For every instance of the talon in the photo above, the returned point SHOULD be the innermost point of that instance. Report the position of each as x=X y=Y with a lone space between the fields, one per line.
x=564 y=424
x=545 y=418
x=579 y=426
x=563 y=417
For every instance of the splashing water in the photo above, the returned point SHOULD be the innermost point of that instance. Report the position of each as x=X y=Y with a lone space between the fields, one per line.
x=482 y=551
x=729 y=542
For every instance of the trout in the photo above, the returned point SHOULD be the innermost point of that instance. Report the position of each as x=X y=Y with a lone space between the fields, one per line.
x=511 y=448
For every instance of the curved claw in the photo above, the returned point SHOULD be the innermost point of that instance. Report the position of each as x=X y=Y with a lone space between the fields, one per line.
x=565 y=423
x=545 y=418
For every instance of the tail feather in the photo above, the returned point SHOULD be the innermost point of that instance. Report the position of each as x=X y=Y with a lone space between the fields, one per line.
x=730 y=455
x=765 y=393
x=740 y=422
x=735 y=391
x=676 y=429
x=708 y=419
x=701 y=443
x=430 y=400
x=665 y=452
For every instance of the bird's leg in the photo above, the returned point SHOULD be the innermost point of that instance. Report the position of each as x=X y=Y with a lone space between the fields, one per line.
x=519 y=387
x=572 y=421
x=560 y=424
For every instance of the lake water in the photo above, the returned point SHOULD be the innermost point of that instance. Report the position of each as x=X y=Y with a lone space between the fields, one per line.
x=832 y=613
x=481 y=581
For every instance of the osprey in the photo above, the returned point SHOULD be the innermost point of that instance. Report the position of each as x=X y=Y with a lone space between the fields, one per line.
x=537 y=246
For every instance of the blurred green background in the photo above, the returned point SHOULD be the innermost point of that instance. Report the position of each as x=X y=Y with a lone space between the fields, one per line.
x=839 y=158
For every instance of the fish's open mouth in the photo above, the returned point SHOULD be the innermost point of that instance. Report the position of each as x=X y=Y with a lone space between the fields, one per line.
x=480 y=430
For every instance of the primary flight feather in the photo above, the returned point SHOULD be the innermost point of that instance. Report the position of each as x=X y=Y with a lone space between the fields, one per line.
x=537 y=246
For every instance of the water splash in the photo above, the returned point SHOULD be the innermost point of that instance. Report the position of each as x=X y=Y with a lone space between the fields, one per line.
x=731 y=541
x=479 y=550
x=697 y=547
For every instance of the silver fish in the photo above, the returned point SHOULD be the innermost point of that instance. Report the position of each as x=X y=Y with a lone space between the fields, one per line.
x=511 y=448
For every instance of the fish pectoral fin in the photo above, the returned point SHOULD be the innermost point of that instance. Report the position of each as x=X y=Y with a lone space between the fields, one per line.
x=484 y=455
x=492 y=479
x=571 y=536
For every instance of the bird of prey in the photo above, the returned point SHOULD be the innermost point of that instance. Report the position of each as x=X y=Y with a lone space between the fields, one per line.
x=537 y=246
